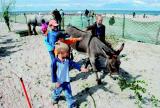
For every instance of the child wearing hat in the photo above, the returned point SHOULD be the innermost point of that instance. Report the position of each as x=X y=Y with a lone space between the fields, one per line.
x=60 y=74
x=50 y=37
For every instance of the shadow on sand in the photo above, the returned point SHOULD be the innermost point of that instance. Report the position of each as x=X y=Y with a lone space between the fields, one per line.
x=4 y=51
x=7 y=50
x=89 y=91
x=100 y=64
x=82 y=96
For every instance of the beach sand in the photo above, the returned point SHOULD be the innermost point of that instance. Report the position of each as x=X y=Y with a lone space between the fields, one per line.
x=137 y=18
x=27 y=57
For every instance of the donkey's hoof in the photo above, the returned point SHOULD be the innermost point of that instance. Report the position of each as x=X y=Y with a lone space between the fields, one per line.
x=99 y=81
x=114 y=73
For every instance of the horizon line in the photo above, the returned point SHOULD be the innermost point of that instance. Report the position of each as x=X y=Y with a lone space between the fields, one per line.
x=87 y=9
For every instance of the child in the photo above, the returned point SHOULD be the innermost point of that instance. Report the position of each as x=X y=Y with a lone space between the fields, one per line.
x=62 y=38
x=44 y=28
x=60 y=75
x=51 y=37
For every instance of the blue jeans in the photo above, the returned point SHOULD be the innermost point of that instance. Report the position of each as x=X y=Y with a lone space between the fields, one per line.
x=66 y=87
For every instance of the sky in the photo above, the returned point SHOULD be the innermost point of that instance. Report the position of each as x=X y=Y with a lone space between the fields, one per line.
x=43 y=5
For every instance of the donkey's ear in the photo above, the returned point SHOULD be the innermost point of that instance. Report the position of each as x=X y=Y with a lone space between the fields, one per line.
x=120 y=49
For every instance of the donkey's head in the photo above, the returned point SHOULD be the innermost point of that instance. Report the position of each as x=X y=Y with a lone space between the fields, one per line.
x=76 y=32
x=113 y=61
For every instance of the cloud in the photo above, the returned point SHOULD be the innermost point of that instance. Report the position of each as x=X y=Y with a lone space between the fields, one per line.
x=42 y=5
x=155 y=4
x=113 y=1
x=23 y=5
x=89 y=4
x=77 y=5
x=139 y=2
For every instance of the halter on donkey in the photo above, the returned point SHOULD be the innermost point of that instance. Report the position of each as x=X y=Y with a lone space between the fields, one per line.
x=94 y=48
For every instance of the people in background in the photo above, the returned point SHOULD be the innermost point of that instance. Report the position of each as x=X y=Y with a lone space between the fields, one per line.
x=57 y=16
x=86 y=13
x=134 y=14
x=144 y=15
x=62 y=16
x=6 y=17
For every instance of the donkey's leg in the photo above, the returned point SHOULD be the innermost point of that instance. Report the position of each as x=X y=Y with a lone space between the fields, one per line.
x=97 y=78
x=87 y=63
x=92 y=60
x=34 y=30
x=29 y=29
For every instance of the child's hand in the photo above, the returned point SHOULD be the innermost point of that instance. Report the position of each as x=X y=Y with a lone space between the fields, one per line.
x=58 y=84
x=80 y=38
x=84 y=69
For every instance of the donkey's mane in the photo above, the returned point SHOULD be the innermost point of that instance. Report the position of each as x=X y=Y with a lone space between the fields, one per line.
x=77 y=28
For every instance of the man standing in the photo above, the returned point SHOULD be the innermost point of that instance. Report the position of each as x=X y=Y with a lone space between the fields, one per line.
x=6 y=17
x=57 y=17
x=62 y=17
x=98 y=29
x=86 y=13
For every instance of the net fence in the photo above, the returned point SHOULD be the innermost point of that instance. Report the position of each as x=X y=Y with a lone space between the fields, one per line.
x=138 y=29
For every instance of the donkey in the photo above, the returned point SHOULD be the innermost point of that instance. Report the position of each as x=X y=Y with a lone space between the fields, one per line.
x=34 y=21
x=94 y=48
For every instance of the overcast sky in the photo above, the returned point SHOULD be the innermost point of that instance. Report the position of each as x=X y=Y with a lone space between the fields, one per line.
x=39 y=5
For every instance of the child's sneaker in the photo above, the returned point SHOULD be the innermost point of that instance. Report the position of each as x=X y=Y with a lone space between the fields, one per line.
x=74 y=105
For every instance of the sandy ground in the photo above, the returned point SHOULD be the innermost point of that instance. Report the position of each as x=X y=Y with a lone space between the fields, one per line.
x=27 y=57
x=137 y=18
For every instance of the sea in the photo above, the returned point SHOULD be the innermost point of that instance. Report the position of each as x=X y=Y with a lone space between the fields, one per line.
x=139 y=12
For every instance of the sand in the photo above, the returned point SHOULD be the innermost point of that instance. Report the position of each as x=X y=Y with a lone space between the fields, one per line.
x=27 y=57
x=137 y=18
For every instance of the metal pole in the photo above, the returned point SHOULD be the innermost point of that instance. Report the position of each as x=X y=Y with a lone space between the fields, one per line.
x=15 y=17
x=123 y=28
x=88 y=19
x=63 y=21
x=81 y=20
x=158 y=33
x=25 y=17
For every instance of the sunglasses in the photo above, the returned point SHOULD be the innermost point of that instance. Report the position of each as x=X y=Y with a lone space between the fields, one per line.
x=52 y=25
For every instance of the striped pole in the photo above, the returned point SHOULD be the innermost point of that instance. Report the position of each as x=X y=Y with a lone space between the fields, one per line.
x=25 y=92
